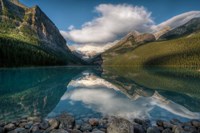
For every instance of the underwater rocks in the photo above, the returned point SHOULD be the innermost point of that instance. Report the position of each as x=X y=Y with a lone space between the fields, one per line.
x=66 y=123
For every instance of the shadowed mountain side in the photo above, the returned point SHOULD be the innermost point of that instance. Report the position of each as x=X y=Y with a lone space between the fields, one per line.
x=28 y=34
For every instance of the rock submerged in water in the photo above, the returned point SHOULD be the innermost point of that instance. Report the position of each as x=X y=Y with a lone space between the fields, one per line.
x=9 y=127
x=66 y=121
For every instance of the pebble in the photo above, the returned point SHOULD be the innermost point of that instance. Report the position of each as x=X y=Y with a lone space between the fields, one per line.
x=59 y=131
x=195 y=123
x=86 y=127
x=153 y=130
x=44 y=125
x=9 y=127
x=65 y=123
x=167 y=131
x=35 y=128
x=28 y=125
x=94 y=122
x=53 y=123
x=21 y=130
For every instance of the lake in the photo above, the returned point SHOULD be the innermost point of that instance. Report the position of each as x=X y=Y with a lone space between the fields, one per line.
x=93 y=92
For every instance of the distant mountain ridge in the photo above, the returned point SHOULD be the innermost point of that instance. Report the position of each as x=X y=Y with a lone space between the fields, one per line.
x=173 y=47
x=190 y=27
x=32 y=26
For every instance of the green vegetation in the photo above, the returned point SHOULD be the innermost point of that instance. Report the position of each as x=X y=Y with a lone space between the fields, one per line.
x=15 y=52
x=179 y=80
x=182 y=52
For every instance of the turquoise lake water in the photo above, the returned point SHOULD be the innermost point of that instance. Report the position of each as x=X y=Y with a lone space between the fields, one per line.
x=92 y=92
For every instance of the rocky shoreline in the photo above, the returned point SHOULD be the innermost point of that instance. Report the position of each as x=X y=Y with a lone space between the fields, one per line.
x=66 y=123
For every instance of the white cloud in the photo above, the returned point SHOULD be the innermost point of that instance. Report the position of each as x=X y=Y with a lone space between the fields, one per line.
x=71 y=27
x=114 y=21
x=178 y=20
x=93 y=48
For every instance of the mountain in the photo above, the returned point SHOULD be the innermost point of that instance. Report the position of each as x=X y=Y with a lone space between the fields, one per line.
x=126 y=44
x=190 y=27
x=177 y=47
x=29 y=38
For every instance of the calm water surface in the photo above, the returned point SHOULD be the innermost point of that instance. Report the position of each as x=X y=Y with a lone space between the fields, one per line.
x=150 y=93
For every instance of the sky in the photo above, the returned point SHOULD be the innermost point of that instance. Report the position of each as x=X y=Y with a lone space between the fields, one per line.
x=88 y=24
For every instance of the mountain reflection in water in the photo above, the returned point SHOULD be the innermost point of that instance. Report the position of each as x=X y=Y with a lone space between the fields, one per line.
x=89 y=92
x=91 y=96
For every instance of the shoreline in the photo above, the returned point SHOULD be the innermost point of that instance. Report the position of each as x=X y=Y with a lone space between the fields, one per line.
x=66 y=123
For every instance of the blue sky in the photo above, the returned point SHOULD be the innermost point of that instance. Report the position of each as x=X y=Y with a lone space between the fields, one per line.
x=76 y=12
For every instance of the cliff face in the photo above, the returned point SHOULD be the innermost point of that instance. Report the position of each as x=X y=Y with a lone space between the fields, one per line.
x=32 y=26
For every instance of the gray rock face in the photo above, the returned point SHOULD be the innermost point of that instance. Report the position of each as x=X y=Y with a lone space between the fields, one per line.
x=32 y=26
x=120 y=125
x=35 y=20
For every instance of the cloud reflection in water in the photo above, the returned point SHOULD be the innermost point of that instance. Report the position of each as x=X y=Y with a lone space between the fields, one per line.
x=98 y=95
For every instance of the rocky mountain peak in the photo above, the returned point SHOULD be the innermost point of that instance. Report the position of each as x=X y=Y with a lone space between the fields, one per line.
x=16 y=2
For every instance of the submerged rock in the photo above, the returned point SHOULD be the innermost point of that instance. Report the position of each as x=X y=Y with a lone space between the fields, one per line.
x=21 y=130
x=94 y=122
x=178 y=129
x=35 y=128
x=59 y=131
x=153 y=130
x=66 y=121
x=120 y=125
x=86 y=127
x=53 y=123
x=138 y=128
x=34 y=119
x=75 y=131
x=1 y=130
x=44 y=125
x=9 y=127
x=195 y=123
x=28 y=125
x=167 y=131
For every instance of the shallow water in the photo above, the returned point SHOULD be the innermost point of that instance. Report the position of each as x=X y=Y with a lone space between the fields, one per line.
x=95 y=92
